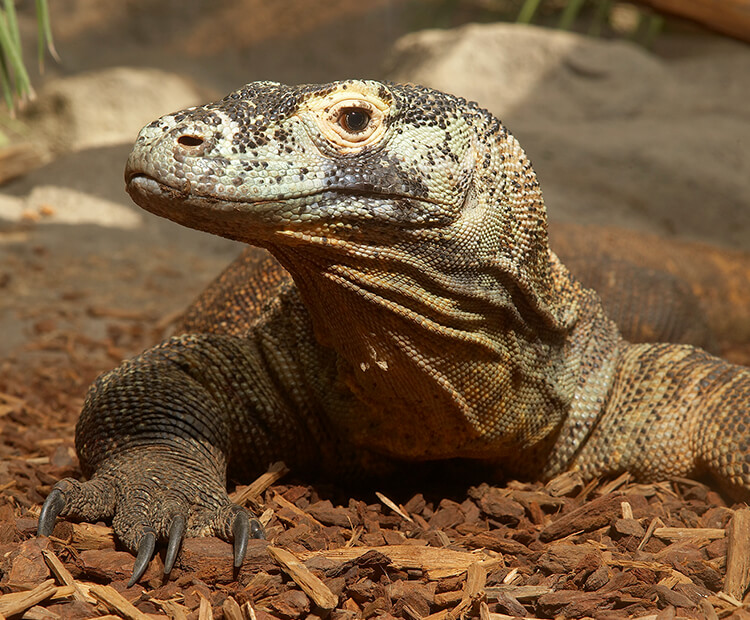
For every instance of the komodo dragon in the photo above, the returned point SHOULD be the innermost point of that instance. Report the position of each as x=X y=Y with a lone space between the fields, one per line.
x=412 y=311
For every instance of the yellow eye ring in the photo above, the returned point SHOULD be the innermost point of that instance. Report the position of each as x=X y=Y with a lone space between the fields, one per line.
x=350 y=121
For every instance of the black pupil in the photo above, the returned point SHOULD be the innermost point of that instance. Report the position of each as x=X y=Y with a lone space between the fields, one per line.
x=356 y=120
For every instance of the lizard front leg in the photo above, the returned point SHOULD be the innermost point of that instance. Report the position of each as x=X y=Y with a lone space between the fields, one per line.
x=674 y=410
x=157 y=435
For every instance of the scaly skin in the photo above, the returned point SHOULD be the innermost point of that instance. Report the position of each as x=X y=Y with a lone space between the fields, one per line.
x=425 y=318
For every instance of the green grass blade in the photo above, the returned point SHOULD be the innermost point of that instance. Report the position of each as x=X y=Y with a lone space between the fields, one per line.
x=569 y=14
x=12 y=53
x=12 y=23
x=45 y=33
x=5 y=77
x=527 y=11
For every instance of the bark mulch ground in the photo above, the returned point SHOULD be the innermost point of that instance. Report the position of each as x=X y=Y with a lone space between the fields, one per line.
x=604 y=549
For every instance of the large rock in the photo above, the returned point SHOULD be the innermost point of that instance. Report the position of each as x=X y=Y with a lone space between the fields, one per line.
x=529 y=73
x=617 y=135
x=107 y=107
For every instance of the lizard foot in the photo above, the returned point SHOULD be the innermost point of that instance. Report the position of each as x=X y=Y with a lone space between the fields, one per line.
x=151 y=505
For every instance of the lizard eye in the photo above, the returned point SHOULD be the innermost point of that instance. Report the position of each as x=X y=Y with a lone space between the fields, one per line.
x=354 y=120
x=350 y=121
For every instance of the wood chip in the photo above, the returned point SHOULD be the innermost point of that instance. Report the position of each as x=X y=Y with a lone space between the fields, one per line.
x=511 y=576
x=473 y=590
x=39 y=613
x=615 y=484
x=682 y=533
x=311 y=585
x=174 y=610
x=627 y=510
x=507 y=617
x=256 y=488
x=446 y=599
x=673 y=578
x=655 y=523
x=394 y=507
x=729 y=599
x=434 y=561
x=205 y=612
x=116 y=602
x=285 y=503
x=64 y=577
x=484 y=611
x=476 y=576
x=266 y=517
x=738 y=555
x=87 y=536
x=440 y=615
x=590 y=516
x=18 y=602
x=527 y=593
x=249 y=611
x=231 y=609
x=708 y=610
x=566 y=483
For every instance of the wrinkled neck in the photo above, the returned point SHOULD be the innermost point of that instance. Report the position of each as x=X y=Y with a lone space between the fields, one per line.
x=466 y=355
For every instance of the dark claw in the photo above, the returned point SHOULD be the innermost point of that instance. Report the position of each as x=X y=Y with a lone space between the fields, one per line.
x=241 y=533
x=145 y=553
x=256 y=529
x=176 y=532
x=52 y=507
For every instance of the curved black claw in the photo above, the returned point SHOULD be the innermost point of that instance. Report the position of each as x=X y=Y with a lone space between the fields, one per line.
x=256 y=529
x=241 y=533
x=176 y=532
x=145 y=553
x=52 y=507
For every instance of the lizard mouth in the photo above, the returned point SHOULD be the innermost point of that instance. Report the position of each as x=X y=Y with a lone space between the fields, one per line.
x=256 y=221
x=146 y=182
x=155 y=196
x=226 y=218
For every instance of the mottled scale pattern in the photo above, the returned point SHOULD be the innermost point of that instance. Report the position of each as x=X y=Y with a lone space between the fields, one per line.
x=412 y=311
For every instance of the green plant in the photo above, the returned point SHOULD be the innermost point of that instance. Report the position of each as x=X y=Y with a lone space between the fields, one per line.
x=647 y=25
x=14 y=79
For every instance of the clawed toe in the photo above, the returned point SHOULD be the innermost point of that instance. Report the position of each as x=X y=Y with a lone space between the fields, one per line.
x=241 y=534
x=176 y=533
x=51 y=508
x=243 y=528
x=256 y=529
x=146 y=549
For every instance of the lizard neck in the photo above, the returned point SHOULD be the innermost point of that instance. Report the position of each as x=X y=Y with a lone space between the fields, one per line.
x=465 y=355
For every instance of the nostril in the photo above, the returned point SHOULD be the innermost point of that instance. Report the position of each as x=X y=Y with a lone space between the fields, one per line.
x=188 y=140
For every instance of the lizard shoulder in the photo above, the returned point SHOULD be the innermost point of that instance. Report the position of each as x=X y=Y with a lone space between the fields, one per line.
x=238 y=296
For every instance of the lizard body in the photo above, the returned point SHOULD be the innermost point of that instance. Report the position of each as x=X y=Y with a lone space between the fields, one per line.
x=412 y=311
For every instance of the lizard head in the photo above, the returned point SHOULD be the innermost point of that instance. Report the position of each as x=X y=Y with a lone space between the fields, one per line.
x=356 y=169
x=326 y=160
